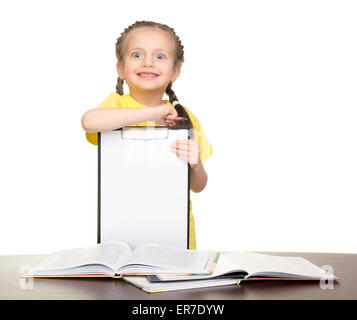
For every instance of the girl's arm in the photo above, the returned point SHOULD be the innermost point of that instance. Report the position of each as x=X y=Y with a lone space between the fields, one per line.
x=107 y=119
x=199 y=177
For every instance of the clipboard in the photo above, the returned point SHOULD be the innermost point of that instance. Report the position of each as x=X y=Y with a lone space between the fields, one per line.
x=143 y=187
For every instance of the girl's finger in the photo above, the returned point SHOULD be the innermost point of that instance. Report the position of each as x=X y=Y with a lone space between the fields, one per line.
x=181 y=143
x=180 y=149
x=185 y=153
x=184 y=145
x=168 y=121
x=187 y=157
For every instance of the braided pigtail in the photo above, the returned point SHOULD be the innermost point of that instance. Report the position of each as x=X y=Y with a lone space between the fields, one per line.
x=119 y=87
x=181 y=112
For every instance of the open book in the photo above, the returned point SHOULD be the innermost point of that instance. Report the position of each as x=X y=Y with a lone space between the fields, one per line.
x=114 y=259
x=233 y=267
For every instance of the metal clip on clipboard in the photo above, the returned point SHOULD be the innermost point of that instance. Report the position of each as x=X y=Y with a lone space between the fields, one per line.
x=149 y=133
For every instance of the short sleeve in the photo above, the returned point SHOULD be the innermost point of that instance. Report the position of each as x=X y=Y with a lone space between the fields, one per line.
x=113 y=100
x=200 y=137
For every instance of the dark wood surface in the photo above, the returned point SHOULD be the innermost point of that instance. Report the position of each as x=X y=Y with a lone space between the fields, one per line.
x=12 y=286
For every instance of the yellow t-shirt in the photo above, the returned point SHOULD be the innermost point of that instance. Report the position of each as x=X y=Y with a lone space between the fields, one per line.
x=114 y=100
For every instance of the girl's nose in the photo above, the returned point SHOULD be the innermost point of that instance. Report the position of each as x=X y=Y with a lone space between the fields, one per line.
x=148 y=61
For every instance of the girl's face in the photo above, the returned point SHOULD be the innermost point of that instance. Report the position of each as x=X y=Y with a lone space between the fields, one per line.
x=148 y=60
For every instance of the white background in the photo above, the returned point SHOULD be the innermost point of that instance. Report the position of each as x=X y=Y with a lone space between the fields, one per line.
x=273 y=84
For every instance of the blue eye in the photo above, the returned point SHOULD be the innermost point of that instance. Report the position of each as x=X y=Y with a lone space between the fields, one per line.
x=160 y=55
x=135 y=54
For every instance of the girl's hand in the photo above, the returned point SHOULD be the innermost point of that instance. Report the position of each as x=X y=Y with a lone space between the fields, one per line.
x=187 y=150
x=164 y=114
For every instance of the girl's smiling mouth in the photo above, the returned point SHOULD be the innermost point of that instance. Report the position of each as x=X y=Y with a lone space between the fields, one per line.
x=147 y=75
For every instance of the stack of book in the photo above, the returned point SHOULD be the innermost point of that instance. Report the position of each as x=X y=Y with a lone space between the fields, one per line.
x=156 y=268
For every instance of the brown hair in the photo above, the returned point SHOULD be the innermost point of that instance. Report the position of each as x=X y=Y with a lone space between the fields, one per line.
x=178 y=60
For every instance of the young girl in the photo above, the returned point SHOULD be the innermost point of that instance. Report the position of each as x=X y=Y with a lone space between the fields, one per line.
x=149 y=58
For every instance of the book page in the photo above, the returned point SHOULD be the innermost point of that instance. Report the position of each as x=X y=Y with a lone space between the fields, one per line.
x=172 y=258
x=224 y=266
x=255 y=263
x=110 y=254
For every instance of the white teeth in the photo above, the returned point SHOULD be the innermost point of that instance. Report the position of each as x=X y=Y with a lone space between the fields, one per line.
x=147 y=75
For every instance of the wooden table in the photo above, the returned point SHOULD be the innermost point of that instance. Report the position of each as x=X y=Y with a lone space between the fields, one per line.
x=12 y=286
